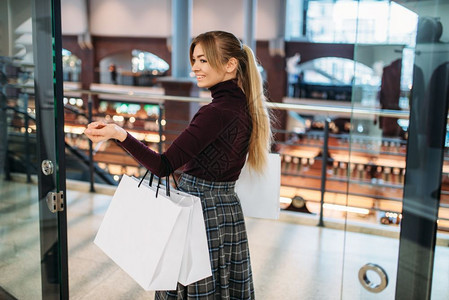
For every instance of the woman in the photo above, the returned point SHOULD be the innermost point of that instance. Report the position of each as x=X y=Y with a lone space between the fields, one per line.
x=213 y=150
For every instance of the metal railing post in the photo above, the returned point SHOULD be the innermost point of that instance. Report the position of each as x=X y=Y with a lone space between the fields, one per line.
x=91 y=154
x=160 y=127
x=4 y=151
x=27 y=141
x=324 y=169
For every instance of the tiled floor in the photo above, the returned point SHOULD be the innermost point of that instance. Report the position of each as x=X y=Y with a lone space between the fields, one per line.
x=292 y=258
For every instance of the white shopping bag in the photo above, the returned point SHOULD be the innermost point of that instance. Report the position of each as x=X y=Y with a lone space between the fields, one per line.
x=259 y=192
x=146 y=235
x=196 y=251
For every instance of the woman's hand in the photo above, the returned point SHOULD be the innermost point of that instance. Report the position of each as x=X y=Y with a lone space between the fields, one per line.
x=101 y=131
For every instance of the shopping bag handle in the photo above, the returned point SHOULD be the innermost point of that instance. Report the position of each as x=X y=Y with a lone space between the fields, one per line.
x=169 y=169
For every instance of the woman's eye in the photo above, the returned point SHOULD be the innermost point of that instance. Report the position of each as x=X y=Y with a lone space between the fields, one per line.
x=203 y=60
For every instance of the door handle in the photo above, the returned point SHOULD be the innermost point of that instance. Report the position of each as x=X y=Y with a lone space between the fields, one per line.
x=367 y=283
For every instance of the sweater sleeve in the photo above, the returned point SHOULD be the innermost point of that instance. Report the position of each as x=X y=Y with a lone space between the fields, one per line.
x=144 y=155
x=204 y=128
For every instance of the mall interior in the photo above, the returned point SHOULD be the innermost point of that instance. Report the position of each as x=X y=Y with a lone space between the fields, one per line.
x=353 y=87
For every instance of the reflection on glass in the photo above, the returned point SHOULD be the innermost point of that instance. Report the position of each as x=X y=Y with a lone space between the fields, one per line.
x=337 y=71
x=331 y=78
x=71 y=65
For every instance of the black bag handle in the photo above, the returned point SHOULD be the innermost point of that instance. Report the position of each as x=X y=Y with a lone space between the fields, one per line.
x=169 y=170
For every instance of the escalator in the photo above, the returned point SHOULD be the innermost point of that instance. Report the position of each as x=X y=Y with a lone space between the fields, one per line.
x=22 y=158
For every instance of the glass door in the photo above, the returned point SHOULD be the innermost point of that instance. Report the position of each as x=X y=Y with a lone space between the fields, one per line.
x=397 y=150
x=33 y=235
x=383 y=73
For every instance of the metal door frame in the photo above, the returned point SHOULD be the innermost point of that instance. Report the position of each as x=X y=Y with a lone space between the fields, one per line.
x=422 y=186
x=47 y=42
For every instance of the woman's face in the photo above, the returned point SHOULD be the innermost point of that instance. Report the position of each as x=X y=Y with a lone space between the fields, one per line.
x=206 y=76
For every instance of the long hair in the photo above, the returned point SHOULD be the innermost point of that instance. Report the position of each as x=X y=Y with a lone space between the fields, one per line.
x=219 y=47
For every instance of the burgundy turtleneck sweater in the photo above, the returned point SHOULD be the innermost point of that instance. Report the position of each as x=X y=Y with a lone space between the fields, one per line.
x=213 y=146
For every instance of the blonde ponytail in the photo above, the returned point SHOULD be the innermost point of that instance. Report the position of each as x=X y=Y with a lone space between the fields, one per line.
x=220 y=47
x=261 y=136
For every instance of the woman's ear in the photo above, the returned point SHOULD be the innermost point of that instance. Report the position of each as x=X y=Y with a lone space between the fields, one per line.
x=231 y=65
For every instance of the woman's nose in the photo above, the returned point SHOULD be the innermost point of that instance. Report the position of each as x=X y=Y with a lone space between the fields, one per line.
x=194 y=67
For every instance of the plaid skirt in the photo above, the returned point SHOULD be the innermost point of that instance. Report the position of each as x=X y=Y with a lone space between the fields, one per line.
x=228 y=244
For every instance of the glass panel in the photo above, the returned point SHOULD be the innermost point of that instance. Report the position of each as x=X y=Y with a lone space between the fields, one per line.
x=377 y=148
x=20 y=256
x=32 y=243
x=396 y=157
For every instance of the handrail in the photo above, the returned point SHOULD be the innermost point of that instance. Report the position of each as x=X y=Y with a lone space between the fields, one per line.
x=17 y=110
x=340 y=109
x=75 y=111
x=273 y=105
x=141 y=95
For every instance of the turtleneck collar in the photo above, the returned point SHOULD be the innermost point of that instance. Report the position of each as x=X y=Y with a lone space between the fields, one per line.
x=228 y=86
